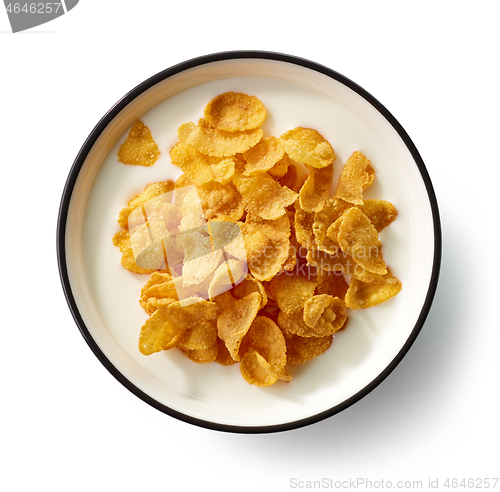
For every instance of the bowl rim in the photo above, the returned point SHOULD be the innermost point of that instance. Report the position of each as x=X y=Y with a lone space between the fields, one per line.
x=115 y=110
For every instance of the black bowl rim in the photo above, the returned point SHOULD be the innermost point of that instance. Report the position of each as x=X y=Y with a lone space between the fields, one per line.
x=122 y=103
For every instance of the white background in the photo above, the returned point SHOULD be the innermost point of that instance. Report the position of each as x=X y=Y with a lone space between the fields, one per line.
x=68 y=425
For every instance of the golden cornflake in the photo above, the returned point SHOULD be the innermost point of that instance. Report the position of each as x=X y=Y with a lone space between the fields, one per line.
x=223 y=356
x=153 y=303
x=218 y=143
x=234 y=322
x=122 y=240
x=324 y=314
x=356 y=176
x=155 y=279
x=267 y=244
x=235 y=112
x=159 y=333
x=294 y=324
x=291 y=291
x=200 y=337
x=263 y=156
x=323 y=219
x=202 y=356
x=201 y=168
x=265 y=337
x=196 y=270
x=139 y=148
x=301 y=349
x=227 y=274
x=380 y=212
x=263 y=196
x=361 y=295
x=165 y=327
x=249 y=285
x=221 y=201
x=358 y=238
x=307 y=146
x=151 y=191
x=316 y=190
x=256 y=370
x=280 y=169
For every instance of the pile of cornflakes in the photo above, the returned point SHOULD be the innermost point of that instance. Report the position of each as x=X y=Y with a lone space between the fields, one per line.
x=251 y=259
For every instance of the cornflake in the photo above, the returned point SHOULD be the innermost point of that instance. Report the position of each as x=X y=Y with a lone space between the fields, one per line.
x=139 y=148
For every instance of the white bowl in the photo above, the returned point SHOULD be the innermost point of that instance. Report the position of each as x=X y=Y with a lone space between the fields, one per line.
x=103 y=297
